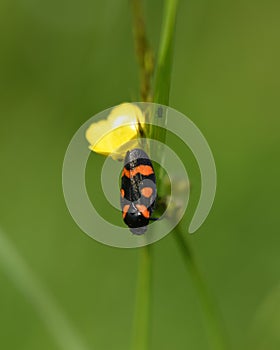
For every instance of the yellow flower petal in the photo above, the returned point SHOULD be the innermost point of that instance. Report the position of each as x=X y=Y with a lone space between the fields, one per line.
x=110 y=135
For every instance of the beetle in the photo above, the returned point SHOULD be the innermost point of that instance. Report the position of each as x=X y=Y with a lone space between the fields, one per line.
x=138 y=191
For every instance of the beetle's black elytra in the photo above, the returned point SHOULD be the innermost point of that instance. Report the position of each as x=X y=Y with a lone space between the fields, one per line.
x=138 y=190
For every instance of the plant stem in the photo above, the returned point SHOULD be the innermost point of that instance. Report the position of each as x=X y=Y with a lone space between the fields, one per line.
x=163 y=80
x=144 y=53
x=141 y=327
x=215 y=329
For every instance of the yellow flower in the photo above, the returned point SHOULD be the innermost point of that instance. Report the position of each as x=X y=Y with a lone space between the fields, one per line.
x=109 y=136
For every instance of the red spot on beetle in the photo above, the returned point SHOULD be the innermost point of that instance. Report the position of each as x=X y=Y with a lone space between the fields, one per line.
x=125 y=210
x=143 y=210
x=147 y=192
x=145 y=170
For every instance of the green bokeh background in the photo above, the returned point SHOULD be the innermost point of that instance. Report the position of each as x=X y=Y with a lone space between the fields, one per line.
x=62 y=62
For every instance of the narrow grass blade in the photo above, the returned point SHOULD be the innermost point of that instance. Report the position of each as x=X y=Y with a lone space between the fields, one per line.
x=212 y=319
x=141 y=326
x=165 y=56
x=216 y=333
x=54 y=319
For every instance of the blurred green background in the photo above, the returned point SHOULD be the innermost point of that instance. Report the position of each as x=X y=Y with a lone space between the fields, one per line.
x=60 y=63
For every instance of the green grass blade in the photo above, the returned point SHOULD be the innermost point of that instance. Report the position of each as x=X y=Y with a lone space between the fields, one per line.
x=54 y=319
x=163 y=80
x=141 y=326
x=165 y=55
x=215 y=329
x=143 y=51
x=212 y=318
